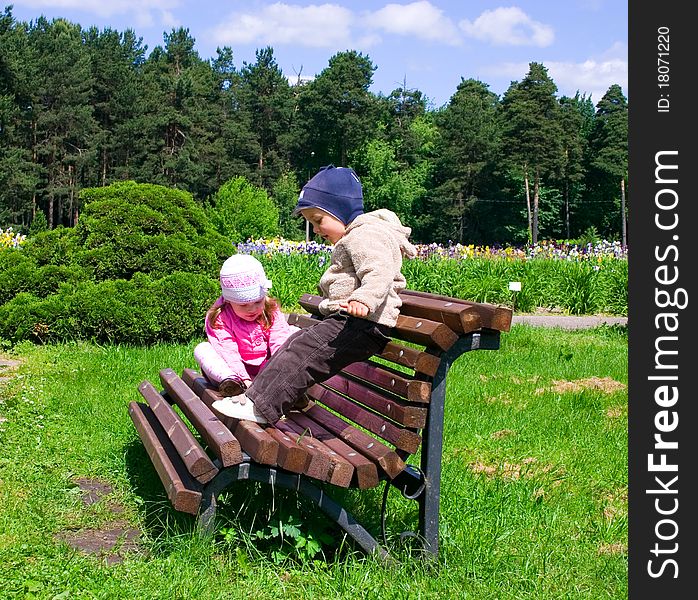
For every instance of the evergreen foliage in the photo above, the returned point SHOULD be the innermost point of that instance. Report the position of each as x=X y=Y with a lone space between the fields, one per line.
x=85 y=108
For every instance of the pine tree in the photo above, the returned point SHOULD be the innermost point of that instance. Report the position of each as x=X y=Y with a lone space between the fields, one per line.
x=532 y=134
x=609 y=148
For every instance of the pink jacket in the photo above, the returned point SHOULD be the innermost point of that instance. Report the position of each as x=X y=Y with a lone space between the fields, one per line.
x=241 y=342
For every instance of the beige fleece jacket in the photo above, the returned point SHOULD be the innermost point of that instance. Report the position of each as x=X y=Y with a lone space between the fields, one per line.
x=366 y=266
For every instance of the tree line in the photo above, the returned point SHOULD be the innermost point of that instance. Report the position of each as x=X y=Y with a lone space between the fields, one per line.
x=82 y=108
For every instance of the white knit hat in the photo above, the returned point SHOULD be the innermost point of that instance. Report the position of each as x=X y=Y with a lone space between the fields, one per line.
x=243 y=279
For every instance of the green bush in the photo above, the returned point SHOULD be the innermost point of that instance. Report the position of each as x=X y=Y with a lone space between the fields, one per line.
x=58 y=246
x=19 y=273
x=241 y=211
x=129 y=228
x=138 y=311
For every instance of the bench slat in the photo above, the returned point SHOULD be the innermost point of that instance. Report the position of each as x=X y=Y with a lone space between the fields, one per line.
x=391 y=380
x=193 y=455
x=253 y=438
x=370 y=447
x=421 y=362
x=319 y=465
x=419 y=331
x=491 y=316
x=292 y=456
x=458 y=317
x=182 y=490
x=218 y=437
x=363 y=471
x=402 y=439
x=409 y=416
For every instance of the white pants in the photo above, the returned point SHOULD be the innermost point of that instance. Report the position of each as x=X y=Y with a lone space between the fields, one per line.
x=212 y=364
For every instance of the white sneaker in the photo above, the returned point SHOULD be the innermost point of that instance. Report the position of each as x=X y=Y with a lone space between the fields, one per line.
x=238 y=410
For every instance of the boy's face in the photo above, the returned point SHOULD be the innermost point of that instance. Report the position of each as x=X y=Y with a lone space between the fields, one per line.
x=324 y=224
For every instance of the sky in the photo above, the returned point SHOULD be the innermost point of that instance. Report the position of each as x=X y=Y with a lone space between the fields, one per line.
x=428 y=45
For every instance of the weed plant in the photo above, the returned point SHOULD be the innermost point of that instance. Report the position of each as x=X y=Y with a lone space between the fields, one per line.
x=533 y=502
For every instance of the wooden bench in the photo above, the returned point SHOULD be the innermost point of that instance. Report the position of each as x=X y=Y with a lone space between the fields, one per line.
x=391 y=407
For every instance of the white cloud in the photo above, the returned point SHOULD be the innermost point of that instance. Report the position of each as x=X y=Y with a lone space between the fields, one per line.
x=592 y=76
x=142 y=10
x=508 y=27
x=420 y=19
x=299 y=79
x=317 y=26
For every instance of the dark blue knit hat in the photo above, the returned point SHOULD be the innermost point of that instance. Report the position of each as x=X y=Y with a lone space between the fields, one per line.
x=336 y=190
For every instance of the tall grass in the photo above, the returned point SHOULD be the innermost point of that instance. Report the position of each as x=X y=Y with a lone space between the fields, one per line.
x=533 y=503
x=574 y=287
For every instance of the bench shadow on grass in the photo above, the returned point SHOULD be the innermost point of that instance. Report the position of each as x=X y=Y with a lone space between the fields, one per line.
x=250 y=508
x=160 y=520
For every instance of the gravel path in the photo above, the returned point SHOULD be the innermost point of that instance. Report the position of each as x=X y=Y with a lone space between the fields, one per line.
x=568 y=321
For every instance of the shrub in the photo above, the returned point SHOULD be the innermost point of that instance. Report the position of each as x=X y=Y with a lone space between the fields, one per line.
x=138 y=311
x=129 y=228
x=38 y=224
x=19 y=272
x=241 y=211
x=59 y=246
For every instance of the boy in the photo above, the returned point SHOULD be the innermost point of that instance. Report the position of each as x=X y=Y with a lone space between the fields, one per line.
x=360 y=297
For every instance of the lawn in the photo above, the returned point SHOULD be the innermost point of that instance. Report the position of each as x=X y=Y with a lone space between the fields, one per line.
x=534 y=489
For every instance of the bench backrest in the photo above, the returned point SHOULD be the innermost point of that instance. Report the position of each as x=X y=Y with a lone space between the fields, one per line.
x=389 y=397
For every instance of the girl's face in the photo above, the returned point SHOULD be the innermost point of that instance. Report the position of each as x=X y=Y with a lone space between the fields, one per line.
x=324 y=224
x=250 y=311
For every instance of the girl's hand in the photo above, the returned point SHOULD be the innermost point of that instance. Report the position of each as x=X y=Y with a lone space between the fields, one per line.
x=355 y=308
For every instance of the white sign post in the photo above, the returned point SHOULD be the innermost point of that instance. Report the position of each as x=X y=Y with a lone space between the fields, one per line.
x=515 y=287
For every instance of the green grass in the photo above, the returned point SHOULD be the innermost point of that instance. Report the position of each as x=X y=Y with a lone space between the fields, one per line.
x=534 y=488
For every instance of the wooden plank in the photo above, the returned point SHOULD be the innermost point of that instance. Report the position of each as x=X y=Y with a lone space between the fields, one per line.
x=391 y=380
x=409 y=416
x=369 y=446
x=361 y=471
x=403 y=439
x=416 y=330
x=421 y=362
x=218 y=437
x=253 y=437
x=492 y=316
x=419 y=330
x=193 y=455
x=318 y=465
x=292 y=456
x=302 y=321
x=461 y=318
x=182 y=490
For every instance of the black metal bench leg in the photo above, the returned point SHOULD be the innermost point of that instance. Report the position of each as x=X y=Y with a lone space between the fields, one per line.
x=344 y=519
x=205 y=523
x=291 y=481
x=432 y=447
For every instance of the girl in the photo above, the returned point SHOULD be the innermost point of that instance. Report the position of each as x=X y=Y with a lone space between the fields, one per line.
x=244 y=327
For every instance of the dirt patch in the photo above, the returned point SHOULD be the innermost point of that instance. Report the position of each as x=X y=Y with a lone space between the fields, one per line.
x=502 y=433
x=111 y=543
x=617 y=548
x=615 y=412
x=506 y=470
x=93 y=490
x=8 y=367
x=604 y=384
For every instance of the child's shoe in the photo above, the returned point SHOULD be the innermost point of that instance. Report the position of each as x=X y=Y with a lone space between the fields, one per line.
x=230 y=387
x=239 y=407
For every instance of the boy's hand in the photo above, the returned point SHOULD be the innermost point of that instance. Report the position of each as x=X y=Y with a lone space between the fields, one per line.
x=355 y=308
